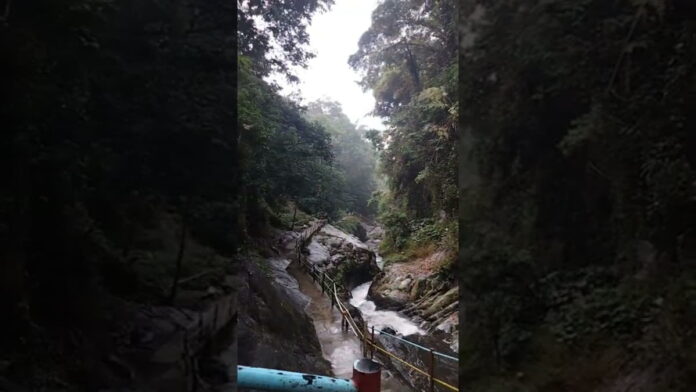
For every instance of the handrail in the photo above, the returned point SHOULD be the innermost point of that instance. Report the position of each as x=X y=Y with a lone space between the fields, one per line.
x=332 y=292
x=419 y=346
x=365 y=339
x=349 y=318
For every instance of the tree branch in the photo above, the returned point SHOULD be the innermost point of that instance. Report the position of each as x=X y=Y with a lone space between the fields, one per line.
x=6 y=15
x=636 y=18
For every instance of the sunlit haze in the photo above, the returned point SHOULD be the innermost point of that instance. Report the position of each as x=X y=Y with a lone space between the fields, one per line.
x=334 y=37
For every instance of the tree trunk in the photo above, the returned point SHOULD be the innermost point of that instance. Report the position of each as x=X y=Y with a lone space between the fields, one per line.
x=292 y=225
x=413 y=68
x=180 y=256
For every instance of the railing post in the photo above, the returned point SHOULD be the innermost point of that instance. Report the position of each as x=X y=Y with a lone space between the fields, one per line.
x=333 y=296
x=366 y=339
x=372 y=348
x=364 y=347
x=432 y=370
x=323 y=278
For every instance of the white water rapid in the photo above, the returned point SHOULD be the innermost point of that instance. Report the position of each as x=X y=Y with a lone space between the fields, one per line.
x=381 y=318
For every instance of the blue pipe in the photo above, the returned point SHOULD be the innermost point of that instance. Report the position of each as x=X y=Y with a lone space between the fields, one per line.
x=281 y=380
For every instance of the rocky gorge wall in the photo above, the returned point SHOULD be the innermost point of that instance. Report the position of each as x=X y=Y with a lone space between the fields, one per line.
x=274 y=330
x=417 y=290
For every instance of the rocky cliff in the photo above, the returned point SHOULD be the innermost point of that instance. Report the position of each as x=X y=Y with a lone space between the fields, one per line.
x=416 y=289
x=274 y=329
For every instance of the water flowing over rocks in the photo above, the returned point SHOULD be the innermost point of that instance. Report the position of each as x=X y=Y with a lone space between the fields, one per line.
x=397 y=324
x=381 y=319
x=416 y=290
x=278 y=297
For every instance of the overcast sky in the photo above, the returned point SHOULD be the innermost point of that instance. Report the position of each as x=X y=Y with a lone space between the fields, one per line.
x=334 y=37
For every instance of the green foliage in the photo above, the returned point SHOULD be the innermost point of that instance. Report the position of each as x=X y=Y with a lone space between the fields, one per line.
x=352 y=224
x=97 y=145
x=355 y=160
x=120 y=133
x=393 y=256
x=375 y=137
x=284 y=156
x=590 y=301
x=406 y=238
x=427 y=231
x=286 y=214
x=276 y=38
x=398 y=230
x=576 y=149
x=408 y=58
x=115 y=114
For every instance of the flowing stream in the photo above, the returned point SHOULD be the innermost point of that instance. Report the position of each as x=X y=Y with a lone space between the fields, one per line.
x=343 y=348
x=381 y=318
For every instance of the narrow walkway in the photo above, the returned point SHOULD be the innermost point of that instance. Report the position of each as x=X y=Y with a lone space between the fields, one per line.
x=332 y=290
x=339 y=348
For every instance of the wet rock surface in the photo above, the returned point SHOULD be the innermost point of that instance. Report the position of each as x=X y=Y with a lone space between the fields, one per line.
x=266 y=342
x=342 y=256
x=386 y=292
x=342 y=348
x=274 y=330
x=159 y=348
x=415 y=289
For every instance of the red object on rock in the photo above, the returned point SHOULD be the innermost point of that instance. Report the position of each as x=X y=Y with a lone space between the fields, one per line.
x=367 y=375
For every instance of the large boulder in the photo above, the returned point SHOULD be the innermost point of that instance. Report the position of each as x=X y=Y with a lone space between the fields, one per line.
x=385 y=293
x=342 y=256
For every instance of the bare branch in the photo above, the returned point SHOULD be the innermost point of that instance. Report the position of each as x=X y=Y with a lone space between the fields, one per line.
x=6 y=15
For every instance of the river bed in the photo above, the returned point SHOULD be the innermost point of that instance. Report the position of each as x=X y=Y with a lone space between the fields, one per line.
x=339 y=348
x=381 y=318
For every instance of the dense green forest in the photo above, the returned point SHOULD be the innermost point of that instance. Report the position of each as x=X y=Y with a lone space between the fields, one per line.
x=354 y=157
x=408 y=57
x=313 y=157
x=118 y=122
x=144 y=145
x=578 y=195
x=125 y=153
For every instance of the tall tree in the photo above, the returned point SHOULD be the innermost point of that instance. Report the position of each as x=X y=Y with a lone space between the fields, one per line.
x=580 y=210
x=285 y=156
x=354 y=158
x=408 y=57
x=116 y=114
x=275 y=37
